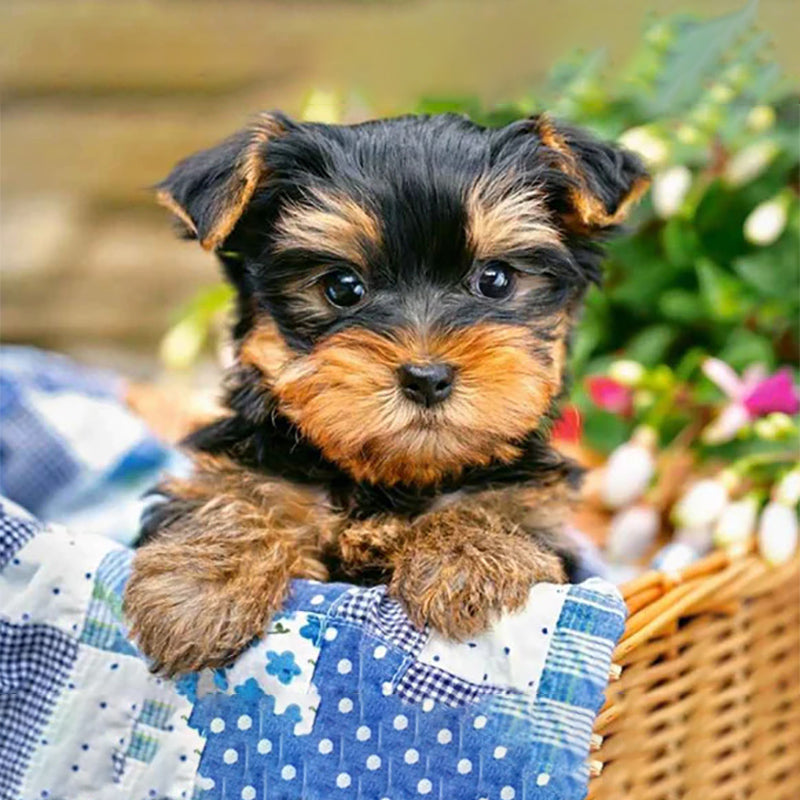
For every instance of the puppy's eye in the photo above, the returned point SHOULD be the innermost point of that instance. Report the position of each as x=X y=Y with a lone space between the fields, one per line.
x=343 y=288
x=495 y=280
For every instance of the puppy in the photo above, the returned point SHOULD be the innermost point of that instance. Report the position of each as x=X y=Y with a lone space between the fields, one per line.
x=405 y=294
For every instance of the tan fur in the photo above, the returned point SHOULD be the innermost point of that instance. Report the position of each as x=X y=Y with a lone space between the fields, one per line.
x=165 y=199
x=208 y=583
x=463 y=566
x=503 y=217
x=344 y=397
x=266 y=349
x=330 y=223
x=590 y=213
x=249 y=173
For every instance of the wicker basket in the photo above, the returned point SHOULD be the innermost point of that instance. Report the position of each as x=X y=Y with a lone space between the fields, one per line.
x=704 y=701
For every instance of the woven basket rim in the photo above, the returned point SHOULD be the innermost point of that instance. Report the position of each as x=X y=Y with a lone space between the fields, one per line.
x=716 y=583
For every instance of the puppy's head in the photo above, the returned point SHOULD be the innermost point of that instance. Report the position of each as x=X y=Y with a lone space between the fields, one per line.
x=406 y=286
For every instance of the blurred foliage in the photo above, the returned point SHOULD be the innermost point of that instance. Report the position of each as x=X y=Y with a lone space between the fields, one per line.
x=709 y=111
x=710 y=262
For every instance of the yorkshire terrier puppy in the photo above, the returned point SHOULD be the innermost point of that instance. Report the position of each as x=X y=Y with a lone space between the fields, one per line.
x=406 y=290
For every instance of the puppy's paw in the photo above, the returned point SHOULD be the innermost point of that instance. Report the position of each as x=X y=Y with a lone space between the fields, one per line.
x=461 y=589
x=184 y=620
x=368 y=544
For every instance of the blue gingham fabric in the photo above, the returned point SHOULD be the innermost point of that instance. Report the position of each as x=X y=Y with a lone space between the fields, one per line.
x=69 y=449
x=30 y=687
x=341 y=698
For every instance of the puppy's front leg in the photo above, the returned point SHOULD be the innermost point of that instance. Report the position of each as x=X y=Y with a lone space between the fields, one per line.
x=216 y=563
x=461 y=567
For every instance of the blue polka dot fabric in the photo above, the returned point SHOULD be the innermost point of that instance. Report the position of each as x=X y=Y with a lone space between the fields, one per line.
x=341 y=698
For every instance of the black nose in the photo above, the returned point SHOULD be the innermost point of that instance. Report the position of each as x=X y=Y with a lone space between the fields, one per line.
x=426 y=384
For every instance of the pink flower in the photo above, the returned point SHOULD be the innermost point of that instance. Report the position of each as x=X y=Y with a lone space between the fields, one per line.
x=610 y=395
x=776 y=393
x=753 y=395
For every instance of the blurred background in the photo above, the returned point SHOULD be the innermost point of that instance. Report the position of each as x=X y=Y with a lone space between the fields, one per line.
x=685 y=401
x=99 y=100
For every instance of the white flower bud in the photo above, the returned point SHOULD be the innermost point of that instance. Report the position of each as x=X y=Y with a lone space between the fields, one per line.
x=643 y=399
x=669 y=190
x=626 y=372
x=782 y=423
x=777 y=533
x=628 y=471
x=787 y=491
x=644 y=141
x=766 y=222
x=706 y=115
x=775 y=426
x=702 y=504
x=765 y=429
x=632 y=533
x=738 y=75
x=674 y=557
x=737 y=523
x=750 y=162
x=661 y=34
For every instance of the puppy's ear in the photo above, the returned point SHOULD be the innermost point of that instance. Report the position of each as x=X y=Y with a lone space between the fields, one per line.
x=603 y=180
x=209 y=191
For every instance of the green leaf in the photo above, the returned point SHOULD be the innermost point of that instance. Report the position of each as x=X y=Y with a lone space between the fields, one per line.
x=680 y=242
x=773 y=271
x=574 y=67
x=590 y=332
x=581 y=91
x=681 y=305
x=779 y=319
x=504 y=114
x=604 y=431
x=642 y=273
x=695 y=55
x=650 y=346
x=745 y=348
x=207 y=303
x=461 y=104
x=719 y=219
x=722 y=293
x=641 y=292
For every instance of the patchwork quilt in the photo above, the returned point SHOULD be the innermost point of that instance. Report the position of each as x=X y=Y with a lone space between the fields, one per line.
x=341 y=698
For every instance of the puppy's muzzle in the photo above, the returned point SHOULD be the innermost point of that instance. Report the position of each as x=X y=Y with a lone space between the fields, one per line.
x=426 y=384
